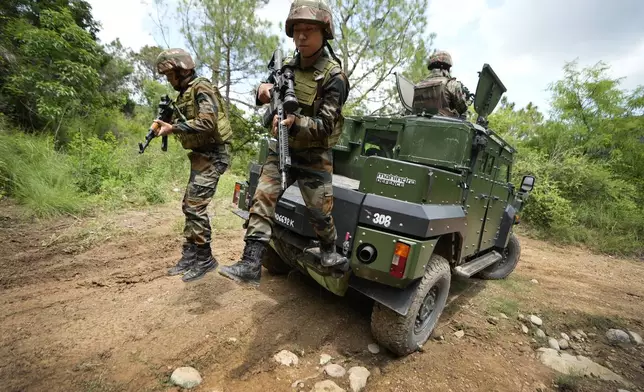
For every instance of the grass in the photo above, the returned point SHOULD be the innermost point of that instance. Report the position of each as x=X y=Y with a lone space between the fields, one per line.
x=568 y=382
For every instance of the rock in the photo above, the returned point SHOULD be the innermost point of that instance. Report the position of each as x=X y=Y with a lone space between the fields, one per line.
x=373 y=348
x=175 y=190
x=540 y=333
x=583 y=335
x=534 y=281
x=358 y=376
x=622 y=390
x=327 y=386
x=186 y=377
x=637 y=339
x=552 y=342
x=493 y=320
x=459 y=334
x=286 y=358
x=334 y=370
x=563 y=344
x=524 y=328
x=232 y=340
x=565 y=336
x=570 y=364
x=576 y=336
x=324 y=359
x=617 y=336
x=521 y=317
x=503 y=316
x=535 y=320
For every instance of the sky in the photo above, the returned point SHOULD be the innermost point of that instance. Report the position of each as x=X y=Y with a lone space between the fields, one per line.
x=526 y=42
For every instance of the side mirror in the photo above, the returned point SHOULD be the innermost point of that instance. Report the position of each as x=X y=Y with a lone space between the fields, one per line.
x=527 y=183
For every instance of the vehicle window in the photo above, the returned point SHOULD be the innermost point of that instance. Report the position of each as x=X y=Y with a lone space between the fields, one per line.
x=379 y=143
x=502 y=175
x=489 y=165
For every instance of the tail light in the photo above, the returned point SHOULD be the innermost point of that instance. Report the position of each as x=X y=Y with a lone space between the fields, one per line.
x=517 y=219
x=399 y=261
x=236 y=193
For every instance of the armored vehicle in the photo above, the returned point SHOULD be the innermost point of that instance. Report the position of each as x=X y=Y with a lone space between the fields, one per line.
x=418 y=198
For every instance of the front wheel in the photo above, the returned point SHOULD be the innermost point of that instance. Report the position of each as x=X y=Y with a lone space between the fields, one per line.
x=403 y=335
x=504 y=267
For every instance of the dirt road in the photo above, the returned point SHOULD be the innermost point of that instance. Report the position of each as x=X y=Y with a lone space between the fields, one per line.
x=86 y=306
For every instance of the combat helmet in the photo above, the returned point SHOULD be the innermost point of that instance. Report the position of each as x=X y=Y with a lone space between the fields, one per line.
x=439 y=58
x=311 y=11
x=174 y=58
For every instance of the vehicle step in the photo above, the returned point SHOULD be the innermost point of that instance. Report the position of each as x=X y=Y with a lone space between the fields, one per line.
x=315 y=252
x=472 y=267
x=241 y=213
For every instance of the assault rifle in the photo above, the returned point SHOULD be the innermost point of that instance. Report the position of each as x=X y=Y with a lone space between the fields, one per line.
x=468 y=94
x=164 y=113
x=283 y=102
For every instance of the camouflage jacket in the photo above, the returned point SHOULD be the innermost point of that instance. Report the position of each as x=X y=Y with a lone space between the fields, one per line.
x=206 y=122
x=451 y=99
x=317 y=124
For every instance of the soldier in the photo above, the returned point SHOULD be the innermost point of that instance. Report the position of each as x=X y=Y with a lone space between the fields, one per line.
x=207 y=132
x=440 y=92
x=321 y=88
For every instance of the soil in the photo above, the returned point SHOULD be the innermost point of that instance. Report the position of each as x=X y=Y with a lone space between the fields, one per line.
x=86 y=305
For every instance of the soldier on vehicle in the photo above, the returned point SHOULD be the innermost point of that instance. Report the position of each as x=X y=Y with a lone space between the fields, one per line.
x=321 y=88
x=440 y=93
x=207 y=132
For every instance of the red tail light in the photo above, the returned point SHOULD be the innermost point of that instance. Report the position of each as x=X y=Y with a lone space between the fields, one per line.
x=236 y=193
x=399 y=261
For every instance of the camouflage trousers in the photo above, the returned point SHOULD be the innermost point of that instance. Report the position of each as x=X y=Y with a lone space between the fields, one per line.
x=312 y=169
x=205 y=170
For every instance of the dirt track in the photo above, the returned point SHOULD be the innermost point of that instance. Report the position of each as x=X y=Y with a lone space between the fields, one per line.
x=107 y=318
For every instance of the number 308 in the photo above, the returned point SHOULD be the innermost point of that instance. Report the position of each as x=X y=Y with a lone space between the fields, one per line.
x=381 y=219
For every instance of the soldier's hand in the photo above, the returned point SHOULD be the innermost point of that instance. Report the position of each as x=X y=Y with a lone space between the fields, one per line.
x=288 y=121
x=264 y=92
x=163 y=128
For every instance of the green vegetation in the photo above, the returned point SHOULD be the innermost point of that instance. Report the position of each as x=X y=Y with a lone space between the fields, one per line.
x=587 y=158
x=72 y=111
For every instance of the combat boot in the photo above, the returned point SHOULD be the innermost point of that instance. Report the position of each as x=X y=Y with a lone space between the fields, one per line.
x=187 y=259
x=249 y=268
x=329 y=257
x=204 y=263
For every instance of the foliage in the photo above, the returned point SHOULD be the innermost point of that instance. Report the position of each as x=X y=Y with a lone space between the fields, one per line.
x=585 y=157
x=375 y=38
x=228 y=38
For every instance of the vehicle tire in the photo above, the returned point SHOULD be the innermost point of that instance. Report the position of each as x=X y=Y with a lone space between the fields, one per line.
x=504 y=267
x=274 y=263
x=403 y=335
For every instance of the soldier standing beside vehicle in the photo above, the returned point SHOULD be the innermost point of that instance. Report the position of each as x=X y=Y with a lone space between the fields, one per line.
x=321 y=88
x=440 y=92
x=207 y=132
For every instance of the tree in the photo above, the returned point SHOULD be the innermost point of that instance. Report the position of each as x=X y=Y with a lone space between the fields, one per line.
x=376 y=38
x=58 y=66
x=227 y=37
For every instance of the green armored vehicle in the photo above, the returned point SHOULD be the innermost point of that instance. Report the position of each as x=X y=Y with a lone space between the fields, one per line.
x=418 y=197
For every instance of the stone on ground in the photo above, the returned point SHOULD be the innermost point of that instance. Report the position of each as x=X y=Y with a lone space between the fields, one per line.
x=186 y=377
x=334 y=370
x=570 y=364
x=286 y=358
x=358 y=376
x=326 y=386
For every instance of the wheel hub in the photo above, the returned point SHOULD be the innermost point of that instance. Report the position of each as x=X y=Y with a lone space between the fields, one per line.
x=426 y=309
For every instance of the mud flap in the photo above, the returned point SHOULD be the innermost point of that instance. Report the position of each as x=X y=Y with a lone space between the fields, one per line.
x=398 y=300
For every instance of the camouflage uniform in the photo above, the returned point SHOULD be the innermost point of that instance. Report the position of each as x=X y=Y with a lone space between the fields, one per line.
x=440 y=93
x=321 y=91
x=207 y=132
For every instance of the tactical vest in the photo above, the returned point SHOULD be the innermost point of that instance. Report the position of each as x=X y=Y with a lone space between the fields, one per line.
x=430 y=96
x=308 y=88
x=187 y=104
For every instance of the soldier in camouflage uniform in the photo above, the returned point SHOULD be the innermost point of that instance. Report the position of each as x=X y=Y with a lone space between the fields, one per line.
x=321 y=88
x=440 y=93
x=207 y=132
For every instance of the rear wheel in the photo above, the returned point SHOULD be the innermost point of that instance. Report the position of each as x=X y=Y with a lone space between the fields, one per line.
x=504 y=267
x=403 y=335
